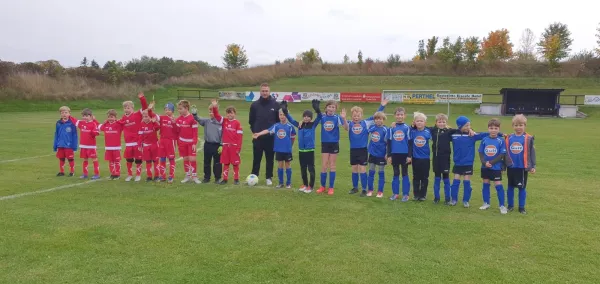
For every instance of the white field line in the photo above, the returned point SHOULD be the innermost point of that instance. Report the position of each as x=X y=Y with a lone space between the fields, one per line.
x=45 y=190
x=198 y=150
x=28 y=158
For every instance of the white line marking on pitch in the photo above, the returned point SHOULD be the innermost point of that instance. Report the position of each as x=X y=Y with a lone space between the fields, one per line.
x=28 y=158
x=45 y=190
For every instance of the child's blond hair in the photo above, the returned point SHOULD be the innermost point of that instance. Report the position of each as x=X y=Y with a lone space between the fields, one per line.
x=420 y=115
x=356 y=109
x=64 y=108
x=379 y=115
x=185 y=104
x=111 y=112
x=518 y=119
x=128 y=103
x=441 y=116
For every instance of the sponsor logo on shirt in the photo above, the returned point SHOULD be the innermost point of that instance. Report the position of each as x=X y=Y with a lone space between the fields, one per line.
x=420 y=141
x=490 y=150
x=516 y=148
x=328 y=125
x=281 y=134
x=357 y=129
x=399 y=135
x=375 y=137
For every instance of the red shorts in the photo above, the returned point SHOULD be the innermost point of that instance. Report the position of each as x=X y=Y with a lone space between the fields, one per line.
x=150 y=152
x=166 y=148
x=230 y=155
x=133 y=152
x=185 y=149
x=65 y=153
x=112 y=155
x=88 y=153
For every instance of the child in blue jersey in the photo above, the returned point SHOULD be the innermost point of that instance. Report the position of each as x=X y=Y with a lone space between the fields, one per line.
x=521 y=161
x=330 y=143
x=420 y=136
x=491 y=153
x=399 y=154
x=65 y=141
x=377 y=154
x=358 y=134
x=306 y=144
x=284 y=135
x=463 y=147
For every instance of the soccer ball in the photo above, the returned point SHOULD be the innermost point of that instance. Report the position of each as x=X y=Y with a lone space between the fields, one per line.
x=252 y=180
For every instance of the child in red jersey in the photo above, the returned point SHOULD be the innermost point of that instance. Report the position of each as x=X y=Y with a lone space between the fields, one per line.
x=88 y=128
x=65 y=141
x=112 y=143
x=232 y=142
x=148 y=144
x=187 y=130
x=166 y=143
x=131 y=122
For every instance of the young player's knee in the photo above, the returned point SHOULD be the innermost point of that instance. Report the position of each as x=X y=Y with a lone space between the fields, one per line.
x=149 y=161
x=62 y=159
x=446 y=175
x=138 y=162
x=71 y=160
x=498 y=182
x=381 y=168
x=163 y=159
x=486 y=181
x=129 y=160
x=371 y=167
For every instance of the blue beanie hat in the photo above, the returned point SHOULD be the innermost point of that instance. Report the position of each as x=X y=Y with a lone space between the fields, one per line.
x=461 y=121
x=170 y=106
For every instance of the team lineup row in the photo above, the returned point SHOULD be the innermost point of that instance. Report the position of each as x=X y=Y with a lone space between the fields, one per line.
x=372 y=145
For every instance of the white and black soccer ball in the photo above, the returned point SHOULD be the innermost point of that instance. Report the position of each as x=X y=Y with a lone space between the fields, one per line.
x=252 y=180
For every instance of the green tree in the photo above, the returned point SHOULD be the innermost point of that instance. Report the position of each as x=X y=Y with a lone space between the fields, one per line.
x=360 y=59
x=235 y=57
x=311 y=56
x=431 y=45
x=84 y=62
x=421 y=51
x=472 y=48
x=457 y=51
x=346 y=59
x=51 y=68
x=444 y=53
x=598 y=40
x=393 y=60
x=555 y=43
x=94 y=64
x=289 y=60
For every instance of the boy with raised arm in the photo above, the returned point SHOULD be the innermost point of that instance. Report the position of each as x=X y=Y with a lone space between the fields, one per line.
x=232 y=142
x=131 y=123
x=187 y=131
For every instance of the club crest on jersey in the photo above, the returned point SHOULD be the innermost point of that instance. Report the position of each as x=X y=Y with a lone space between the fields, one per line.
x=375 y=137
x=420 y=141
x=399 y=135
x=516 y=148
x=490 y=150
x=68 y=129
x=281 y=134
x=357 y=129
x=328 y=125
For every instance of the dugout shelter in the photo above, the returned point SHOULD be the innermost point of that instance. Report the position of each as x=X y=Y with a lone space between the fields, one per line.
x=530 y=101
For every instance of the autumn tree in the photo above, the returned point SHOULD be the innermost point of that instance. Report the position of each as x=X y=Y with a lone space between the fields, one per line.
x=421 y=51
x=235 y=57
x=527 y=46
x=496 y=46
x=311 y=56
x=472 y=48
x=431 y=45
x=84 y=62
x=555 y=43
x=346 y=59
x=360 y=59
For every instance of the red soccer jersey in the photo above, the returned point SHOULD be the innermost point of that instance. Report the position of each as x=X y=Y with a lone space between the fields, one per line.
x=112 y=135
x=89 y=131
x=131 y=126
x=232 y=130
x=147 y=133
x=167 y=128
x=187 y=129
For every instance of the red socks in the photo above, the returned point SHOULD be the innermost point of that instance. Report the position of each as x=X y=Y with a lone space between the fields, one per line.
x=72 y=166
x=129 y=171
x=85 y=167
x=171 y=168
x=96 y=167
x=236 y=172
x=62 y=165
x=138 y=169
x=193 y=164
x=149 y=169
x=226 y=172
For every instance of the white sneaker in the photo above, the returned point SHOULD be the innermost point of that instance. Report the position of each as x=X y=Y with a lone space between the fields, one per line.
x=269 y=182
x=503 y=210
x=466 y=204
x=128 y=178
x=186 y=179
x=196 y=180
x=288 y=186
x=138 y=178
x=485 y=206
x=302 y=189
x=308 y=190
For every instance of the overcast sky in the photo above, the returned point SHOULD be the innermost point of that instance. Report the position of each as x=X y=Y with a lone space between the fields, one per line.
x=68 y=30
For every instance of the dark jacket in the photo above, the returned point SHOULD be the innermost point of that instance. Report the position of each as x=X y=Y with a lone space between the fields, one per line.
x=264 y=113
x=441 y=138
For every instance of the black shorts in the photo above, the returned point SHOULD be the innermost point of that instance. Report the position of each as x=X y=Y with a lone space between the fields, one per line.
x=380 y=161
x=441 y=164
x=330 y=148
x=517 y=177
x=463 y=170
x=399 y=159
x=492 y=175
x=283 y=156
x=359 y=156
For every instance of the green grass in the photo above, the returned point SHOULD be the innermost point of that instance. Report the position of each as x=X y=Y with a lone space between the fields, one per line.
x=118 y=232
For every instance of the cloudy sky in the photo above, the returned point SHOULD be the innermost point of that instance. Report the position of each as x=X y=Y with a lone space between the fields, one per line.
x=68 y=30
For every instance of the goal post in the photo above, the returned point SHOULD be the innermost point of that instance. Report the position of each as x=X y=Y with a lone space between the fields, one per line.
x=430 y=102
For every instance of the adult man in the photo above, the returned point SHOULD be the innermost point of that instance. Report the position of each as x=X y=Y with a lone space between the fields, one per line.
x=264 y=113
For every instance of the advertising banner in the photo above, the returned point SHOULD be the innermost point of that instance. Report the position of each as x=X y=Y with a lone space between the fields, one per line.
x=419 y=99
x=232 y=95
x=591 y=100
x=290 y=97
x=393 y=97
x=360 y=97
x=459 y=98
x=307 y=97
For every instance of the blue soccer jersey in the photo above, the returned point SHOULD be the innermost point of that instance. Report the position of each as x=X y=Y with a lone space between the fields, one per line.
x=330 y=128
x=358 y=132
x=520 y=151
x=283 y=133
x=398 y=137
x=463 y=148
x=420 y=140
x=378 y=137
x=492 y=148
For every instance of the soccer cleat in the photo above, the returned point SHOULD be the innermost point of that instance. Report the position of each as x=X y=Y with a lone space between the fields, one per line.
x=503 y=210
x=380 y=194
x=222 y=182
x=466 y=204
x=422 y=198
x=369 y=193
x=308 y=190
x=197 y=180
x=522 y=211
x=302 y=188
x=157 y=179
x=138 y=178
x=170 y=180
x=405 y=198
x=510 y=209
x=446 y=202
x=363 y=193
x=436 y=201
x=330 y=191
x=95 y=177
x=60 y=174
x=128 y=178
x=279 y=185
x=186 y=179
x=206 y=180
x=452 y=203
x=269 y=182
x=321 y=189
x=71 y=174
x=148 y=179
x=236 y=182
x=116 y=177
x=353 y=191
x=394 y=197
x=111 y=177
x=289 y=186
x=485 y=206
x=160 y=179
x=83 y=177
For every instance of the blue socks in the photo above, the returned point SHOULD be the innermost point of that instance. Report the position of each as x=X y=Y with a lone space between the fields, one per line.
x=363 y=180
x=354 y=180
x=288 y=174
x=486 y=193
x=381 y=181
x=331 y=179
x=454 y=189
x=500 y=191
x=436 y=188
x=522 y=197
x=447 y=189
x=371 y=180
x=510 y=194
x=405 y=185
x=468 y=190
x=396 y=185
x=323 y=179
x=280 y=175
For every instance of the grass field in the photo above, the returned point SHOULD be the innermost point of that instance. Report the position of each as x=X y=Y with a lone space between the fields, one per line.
x=117 y=232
